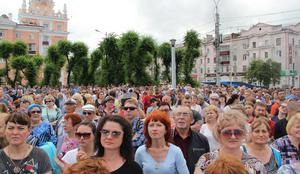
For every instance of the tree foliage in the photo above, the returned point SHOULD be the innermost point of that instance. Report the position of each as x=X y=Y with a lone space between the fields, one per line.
x=164 y=52
x=264 y=72
x=6 y=49
x=64 y=48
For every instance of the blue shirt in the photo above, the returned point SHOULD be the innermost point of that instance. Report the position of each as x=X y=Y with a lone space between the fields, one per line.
x=174 y=162
x=41 y=134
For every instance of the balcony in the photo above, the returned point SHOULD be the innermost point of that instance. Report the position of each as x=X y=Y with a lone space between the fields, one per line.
x=225 y=62
x=31 y=52
x=224 y=53
x=45 y=43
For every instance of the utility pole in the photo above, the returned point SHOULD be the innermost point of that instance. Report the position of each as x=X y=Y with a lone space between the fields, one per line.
x=217 y=43
x=173 y=65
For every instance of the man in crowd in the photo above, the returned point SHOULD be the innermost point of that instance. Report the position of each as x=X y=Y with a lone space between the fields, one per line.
x=197 y=119
x=132 y=114
x=192 y=143
x=89 y=113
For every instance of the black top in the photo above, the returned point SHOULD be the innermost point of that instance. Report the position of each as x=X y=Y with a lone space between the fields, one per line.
x=129 y=167
x=280 y=128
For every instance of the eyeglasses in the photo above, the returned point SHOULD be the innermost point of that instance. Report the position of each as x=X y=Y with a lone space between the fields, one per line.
x=87 y=113
x=131 y=108
x=113 y=134
x=48 y=101
x=85 y=135
x=236 y=132
x=184 y=114
x=215 y=99
x=35 y=112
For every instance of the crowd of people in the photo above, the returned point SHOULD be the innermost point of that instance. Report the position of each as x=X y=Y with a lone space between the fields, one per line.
x=150 y=130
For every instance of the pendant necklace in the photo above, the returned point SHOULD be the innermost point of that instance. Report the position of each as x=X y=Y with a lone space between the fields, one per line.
x=17 y=167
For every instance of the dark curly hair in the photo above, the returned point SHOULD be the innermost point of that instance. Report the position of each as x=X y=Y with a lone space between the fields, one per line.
x=126 y=149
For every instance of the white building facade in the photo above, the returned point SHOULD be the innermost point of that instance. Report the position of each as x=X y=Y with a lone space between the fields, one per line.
x=238 y=50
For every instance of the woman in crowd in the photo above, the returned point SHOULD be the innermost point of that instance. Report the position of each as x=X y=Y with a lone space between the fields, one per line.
x=230 y=131
x=223 y=100
x=249 y=111
x=158 y=155
x=70 y=142
x=41 y=131
x=79 y=103
x=87 y=166
x=259 y=148
x=85 y=135
x=18 y=156
x=3 y=141
x=50 y=112
x=114 y=145
x=211 y=114
x=287 y=145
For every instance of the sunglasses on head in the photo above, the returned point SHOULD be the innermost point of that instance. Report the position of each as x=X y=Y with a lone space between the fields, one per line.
x=236 y=132
x=87 y=113
x=131 y=108
x=35 y=112
x=85 y=135
x=113 y=134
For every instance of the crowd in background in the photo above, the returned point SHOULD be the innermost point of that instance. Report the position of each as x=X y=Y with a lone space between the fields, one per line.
x=150 y=129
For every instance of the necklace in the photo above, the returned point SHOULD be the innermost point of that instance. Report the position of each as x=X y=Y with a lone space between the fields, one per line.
x=17 y=167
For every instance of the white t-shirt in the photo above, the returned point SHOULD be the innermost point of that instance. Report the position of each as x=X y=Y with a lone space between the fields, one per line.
x=70 y=156
x=213 y=143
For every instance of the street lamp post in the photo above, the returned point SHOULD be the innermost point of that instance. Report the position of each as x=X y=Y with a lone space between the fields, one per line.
x=173 y=65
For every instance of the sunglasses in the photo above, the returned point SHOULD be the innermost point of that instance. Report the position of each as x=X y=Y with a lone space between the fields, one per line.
x=215 y=99
x=87 y=113
x=236 y=132
x=48 y=101
x=131 y=108
x=85 y=135
x=113 y=134
x=35 y=112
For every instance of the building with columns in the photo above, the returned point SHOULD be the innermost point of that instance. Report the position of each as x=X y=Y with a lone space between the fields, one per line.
x=39 y=27
x=261 y=41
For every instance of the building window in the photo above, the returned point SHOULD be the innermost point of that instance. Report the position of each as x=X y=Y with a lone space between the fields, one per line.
x=266 y=54
x=1 y=34
x=244 y=56
x=59 y=27
x=278 y=53
x=278 y=41
x=207 y=60
x=254 y=55
x=18 y=35
x=293 y=41
x=266 y=42
x=227 y=68
x=208 y=70
x=200 y=61
x=31 y=36
x=253 y=44
x=201 y=70
x=31 y=48
x=244 y=68
x=46 y=26
x=215 y=59
x=245 y=46
x=234 y=58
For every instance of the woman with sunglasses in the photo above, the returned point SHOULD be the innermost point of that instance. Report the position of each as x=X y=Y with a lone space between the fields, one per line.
x=259 y=148
x=19 y=157
x=85 y=135
x=51 y=112
x=230 y=132
x=158 y=155
x=114 y=145
x=41 y=131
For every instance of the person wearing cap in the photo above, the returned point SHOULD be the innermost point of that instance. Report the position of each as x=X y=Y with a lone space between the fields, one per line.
x=89 y=113
x=109 y=104
x=153 y=105
x=41 y=131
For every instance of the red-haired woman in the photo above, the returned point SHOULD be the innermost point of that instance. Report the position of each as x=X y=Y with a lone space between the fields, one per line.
x=158 y=155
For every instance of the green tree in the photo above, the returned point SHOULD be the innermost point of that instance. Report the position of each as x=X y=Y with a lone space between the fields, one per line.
x=80 y=53
x=94 y=63
x=6 y=49
x=20 y=48
x=164 y=52
x=275 y=69
x=180 y=54
x=65 y=47
x=19 y=63
x=192 y=44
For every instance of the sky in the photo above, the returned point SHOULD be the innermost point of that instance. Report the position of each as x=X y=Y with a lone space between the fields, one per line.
x=164 y=19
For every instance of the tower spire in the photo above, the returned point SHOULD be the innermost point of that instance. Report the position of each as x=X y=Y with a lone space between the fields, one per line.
x=65 y=11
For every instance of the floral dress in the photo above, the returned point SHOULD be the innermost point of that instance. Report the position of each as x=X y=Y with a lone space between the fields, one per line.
x=68 y=144
x=252 y=165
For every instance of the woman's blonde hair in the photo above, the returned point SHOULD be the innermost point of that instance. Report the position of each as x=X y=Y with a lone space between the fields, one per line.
x=295 y=119
x=227 y=119
x=78 y=98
